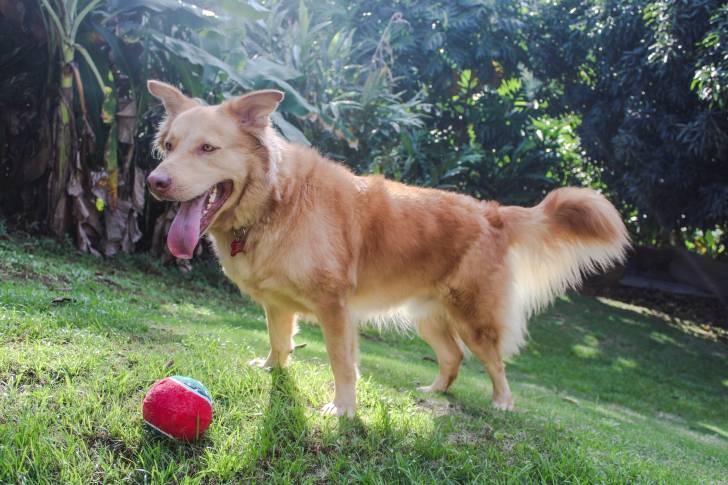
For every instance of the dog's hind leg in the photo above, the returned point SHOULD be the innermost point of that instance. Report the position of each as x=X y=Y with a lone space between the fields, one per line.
x=475 y=297
x=481 y=337
x=437 y=333
x=281 y=328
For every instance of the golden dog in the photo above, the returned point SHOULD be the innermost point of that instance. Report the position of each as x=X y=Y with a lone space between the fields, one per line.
x=302 y=235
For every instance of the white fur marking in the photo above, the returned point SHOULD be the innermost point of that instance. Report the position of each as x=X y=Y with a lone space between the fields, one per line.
x=544 y=268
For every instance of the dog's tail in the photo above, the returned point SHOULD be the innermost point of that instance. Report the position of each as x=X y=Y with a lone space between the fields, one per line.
x=573 y=232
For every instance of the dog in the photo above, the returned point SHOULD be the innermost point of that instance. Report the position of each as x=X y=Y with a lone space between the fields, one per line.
x=304 y=236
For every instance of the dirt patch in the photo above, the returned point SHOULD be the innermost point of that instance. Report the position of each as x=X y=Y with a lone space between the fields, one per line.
x=52 y=282
x=26 y=378
x=101 y=439
x=471 y=437
x=23 y=378
x=440 y=408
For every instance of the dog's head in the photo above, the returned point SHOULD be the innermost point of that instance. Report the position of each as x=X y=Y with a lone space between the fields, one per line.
x=211 y=154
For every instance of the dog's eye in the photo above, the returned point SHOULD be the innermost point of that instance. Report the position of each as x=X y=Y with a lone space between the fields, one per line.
x=168 y=146
x=208 y=148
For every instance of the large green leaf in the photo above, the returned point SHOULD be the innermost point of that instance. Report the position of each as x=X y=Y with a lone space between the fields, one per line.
x=186 y=14
x=196 y=55
x=258 y=73
x=244 y=9
x=119 y=56
x=289 y=131
x=266 y=73
x=260 y=66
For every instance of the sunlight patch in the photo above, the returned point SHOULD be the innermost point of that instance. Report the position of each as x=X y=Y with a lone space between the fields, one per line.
x=187 y=309
x=585 y=352
x=591 y=341
x=662 y=338
x=589 y=350
x=624 y=306
x=620 y=413
x=622 y=363
x=715 y=429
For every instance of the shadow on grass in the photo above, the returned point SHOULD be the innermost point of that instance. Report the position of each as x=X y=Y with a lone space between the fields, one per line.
x=283 y=433
x=629 y=366
x=589 y=349
x=625 y=364
x=284 y=430
x=614 y=355
x=158 y=456
x=390 y=448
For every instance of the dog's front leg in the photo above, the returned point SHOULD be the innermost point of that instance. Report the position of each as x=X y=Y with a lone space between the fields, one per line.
x=340 y=337
x=281 y=328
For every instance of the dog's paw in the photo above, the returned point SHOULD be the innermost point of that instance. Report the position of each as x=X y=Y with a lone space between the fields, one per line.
x=333 y=409
x=503 y=403
x=432 y=388
x=274 y=359
x=261 y=363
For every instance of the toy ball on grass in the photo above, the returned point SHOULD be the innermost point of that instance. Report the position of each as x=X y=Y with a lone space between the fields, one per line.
x=179 y=407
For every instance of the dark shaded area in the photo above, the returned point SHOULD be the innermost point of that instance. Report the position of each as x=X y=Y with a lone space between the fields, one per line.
x=650 y=121
x=25 y=110
x=658 y=365
x=703 y=311
x=675 y=284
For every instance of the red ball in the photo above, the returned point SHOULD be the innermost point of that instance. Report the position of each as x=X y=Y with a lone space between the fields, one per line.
x=179 y=407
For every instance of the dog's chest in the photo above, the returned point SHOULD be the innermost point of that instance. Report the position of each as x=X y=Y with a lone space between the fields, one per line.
x=257 y=274
x=251 y=278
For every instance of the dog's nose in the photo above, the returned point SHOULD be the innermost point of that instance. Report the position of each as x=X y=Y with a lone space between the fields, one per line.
x=159 y=183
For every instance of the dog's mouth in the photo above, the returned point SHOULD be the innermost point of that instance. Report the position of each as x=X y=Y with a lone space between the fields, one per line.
x=194 y=217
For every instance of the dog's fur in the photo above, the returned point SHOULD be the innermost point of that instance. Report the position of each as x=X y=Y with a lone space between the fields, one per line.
x=344 y=249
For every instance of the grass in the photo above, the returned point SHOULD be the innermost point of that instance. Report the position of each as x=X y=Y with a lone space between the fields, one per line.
x=603 y=393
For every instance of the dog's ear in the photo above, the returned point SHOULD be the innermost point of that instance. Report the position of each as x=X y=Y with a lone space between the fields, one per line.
x=172 y=98
x=253 y=109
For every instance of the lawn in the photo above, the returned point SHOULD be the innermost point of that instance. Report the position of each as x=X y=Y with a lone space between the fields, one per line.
x=603 y=393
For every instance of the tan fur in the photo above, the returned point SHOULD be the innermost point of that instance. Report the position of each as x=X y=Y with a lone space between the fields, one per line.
x=341 y=249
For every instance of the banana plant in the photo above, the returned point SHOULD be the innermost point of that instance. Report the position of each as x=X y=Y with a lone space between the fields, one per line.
x=63 y=20
x=104 y=51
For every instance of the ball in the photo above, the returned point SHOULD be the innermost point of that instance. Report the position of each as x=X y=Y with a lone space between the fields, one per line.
x=178 y=407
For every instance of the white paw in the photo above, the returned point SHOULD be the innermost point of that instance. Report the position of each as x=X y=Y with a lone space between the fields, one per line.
x=503 y=404
x=333 y=409
x=260 y=362
x=432 y=388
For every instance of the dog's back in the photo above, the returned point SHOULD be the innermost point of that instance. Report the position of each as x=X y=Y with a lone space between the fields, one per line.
x=459 y=270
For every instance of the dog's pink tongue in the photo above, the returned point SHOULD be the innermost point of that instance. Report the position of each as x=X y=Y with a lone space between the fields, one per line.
x=184 y=234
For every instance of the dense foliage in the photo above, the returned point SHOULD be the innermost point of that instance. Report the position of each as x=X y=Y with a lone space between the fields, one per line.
x=502 y=100
x=648 y=81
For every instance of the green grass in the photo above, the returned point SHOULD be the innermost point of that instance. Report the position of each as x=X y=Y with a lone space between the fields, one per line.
x=603 y=394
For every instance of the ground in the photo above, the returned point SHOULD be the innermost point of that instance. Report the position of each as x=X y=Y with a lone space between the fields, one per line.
x=603 y=393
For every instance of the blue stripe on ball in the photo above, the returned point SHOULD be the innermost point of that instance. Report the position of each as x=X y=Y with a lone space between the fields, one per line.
x=195 y=386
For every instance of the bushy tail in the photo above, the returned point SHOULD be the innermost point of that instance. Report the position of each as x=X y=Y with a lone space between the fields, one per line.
x=573 y=232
